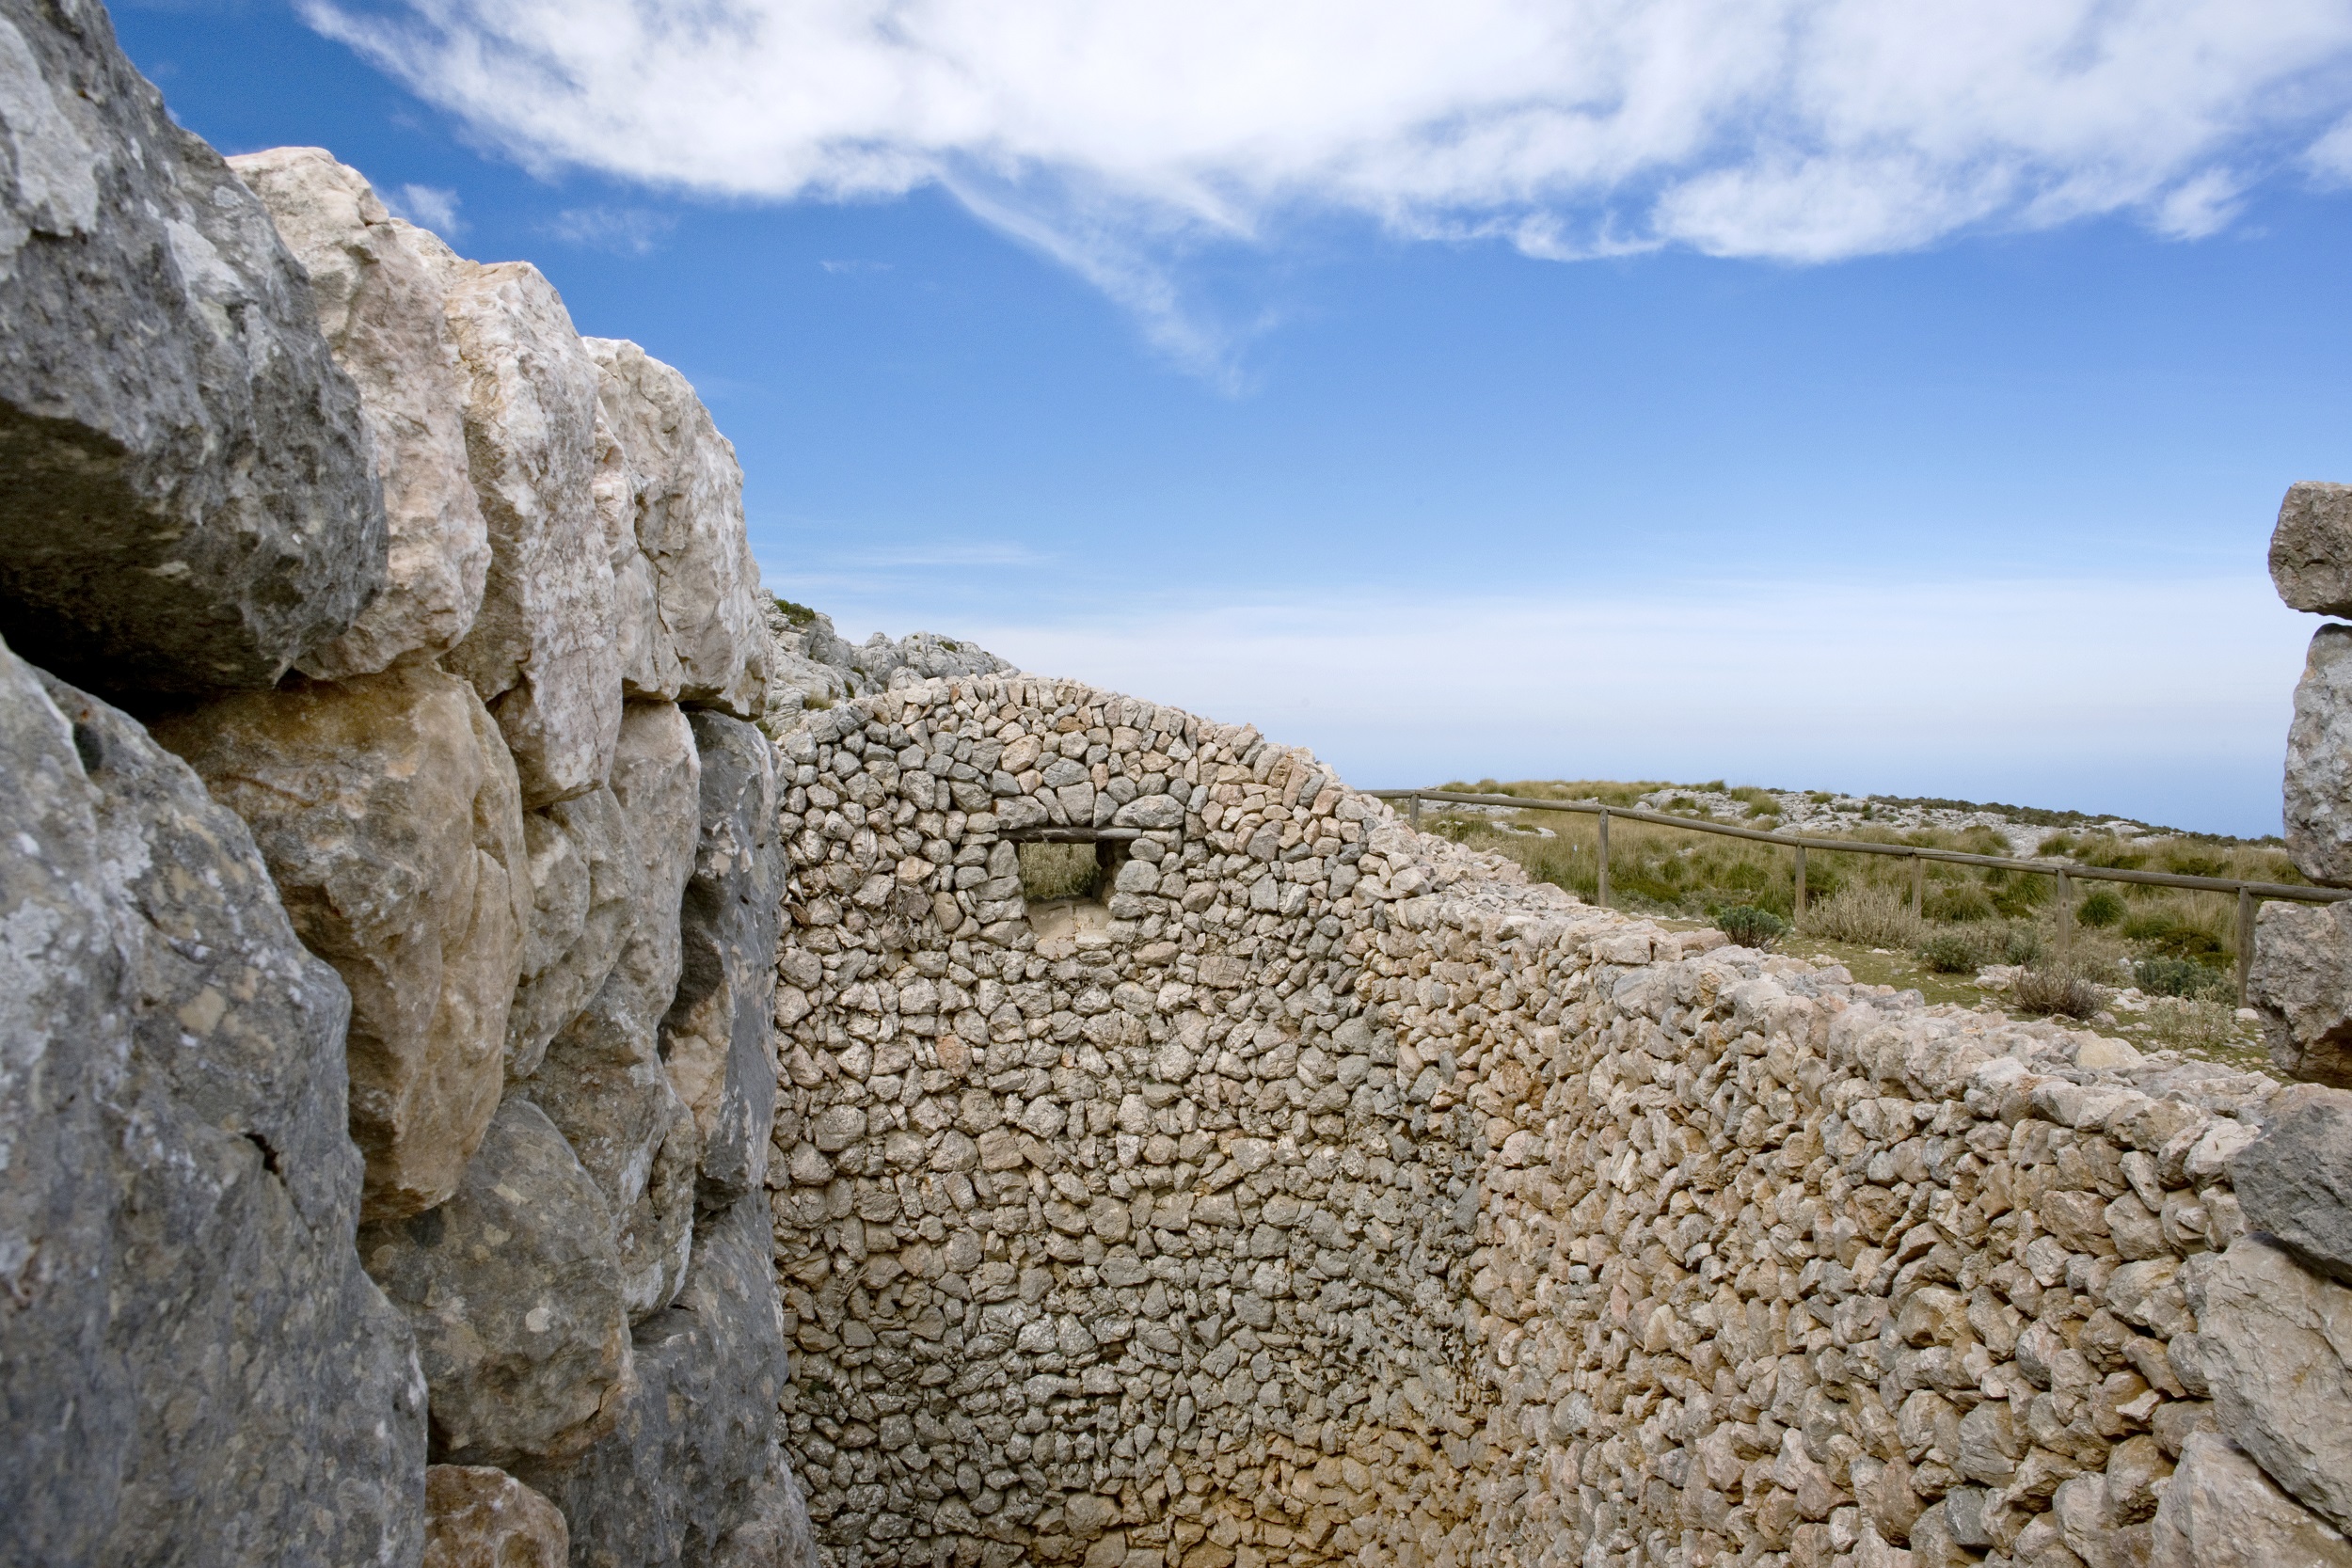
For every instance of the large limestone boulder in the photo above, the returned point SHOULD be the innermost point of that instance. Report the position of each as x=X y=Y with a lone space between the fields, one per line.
x=2301 y=983
x=2310 y=549
x=716 y=1038
x=2295 y=1181
x=192 y=1366
x=481 y=1517
x=191 y=501
x=2221 y=1512
x=387 y=808
x=2319 y=761
x=690 y=1461
x=512 y=1289
x=709 y=644
x=2272 y=1342
x=583 y=897
x=543 y=651
x=380 y=306
x=601 y=1079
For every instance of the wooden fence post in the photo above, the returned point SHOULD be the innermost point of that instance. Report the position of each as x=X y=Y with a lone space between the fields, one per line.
x=1798 y=911
x=2065 y=912
x=1918 y=888
x=1602 y=895
x=2249 y=910
x=1412 y=809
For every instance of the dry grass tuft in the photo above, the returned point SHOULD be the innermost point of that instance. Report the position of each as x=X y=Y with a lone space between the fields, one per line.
x=1866 y=914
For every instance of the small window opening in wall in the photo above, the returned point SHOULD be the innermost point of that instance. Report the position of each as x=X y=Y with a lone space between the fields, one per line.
x=1066 y=879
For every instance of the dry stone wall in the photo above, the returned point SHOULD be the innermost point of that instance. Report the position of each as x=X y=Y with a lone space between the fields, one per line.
x=1326 y=1192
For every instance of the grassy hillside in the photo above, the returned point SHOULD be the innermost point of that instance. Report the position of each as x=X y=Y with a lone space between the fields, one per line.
x=2162 y=961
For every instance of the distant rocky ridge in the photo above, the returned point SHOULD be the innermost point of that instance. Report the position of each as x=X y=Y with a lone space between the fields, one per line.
x=813 y=667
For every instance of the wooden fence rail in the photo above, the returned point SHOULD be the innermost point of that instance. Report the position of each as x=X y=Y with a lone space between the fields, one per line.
x=2249 y=894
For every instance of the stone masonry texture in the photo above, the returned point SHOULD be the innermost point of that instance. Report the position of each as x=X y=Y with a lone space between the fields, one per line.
x=1329 y=1194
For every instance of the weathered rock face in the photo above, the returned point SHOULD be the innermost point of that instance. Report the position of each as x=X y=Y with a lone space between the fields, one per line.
x=583 y=895
x=2221 y=1512
x=706 y=645
x=601 y=1079
x=543 y=651
x=2272 y=1342
x=2319 y=762
x=2310 y=549
x=380 y=306
x=2295 y=1181
x=688 y=1462
x=386 y=806
x=2301 y=981
x=191 y=501
x=193 y=1368
x=478 y=1517
x=716 y=1038
x=512 y=1290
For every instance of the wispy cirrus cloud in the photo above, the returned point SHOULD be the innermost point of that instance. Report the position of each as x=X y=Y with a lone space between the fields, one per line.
x=1121 y=139
x=430 y=207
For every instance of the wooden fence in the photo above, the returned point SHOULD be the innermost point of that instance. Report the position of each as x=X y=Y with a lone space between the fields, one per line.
x=2249 y=894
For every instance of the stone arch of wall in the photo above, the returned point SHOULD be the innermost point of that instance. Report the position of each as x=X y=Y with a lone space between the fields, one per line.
x=1344 y=1198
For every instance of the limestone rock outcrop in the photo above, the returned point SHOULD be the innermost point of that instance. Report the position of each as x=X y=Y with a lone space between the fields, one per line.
x=812 y=666
x=2319 y=761
x=192 y=502
x=716 y=1037
x=387 y=809
x=416 y=893
x=480 y=1517
x=686 y=1463
x=189 y=1352
x=379 y=303
x=2301 y=981
x=513 y=1288
x=2295 y=1181
x=2310 y=549
x=706 y=643
x=543 y=650
x=2221 y=1512
x=584 y=900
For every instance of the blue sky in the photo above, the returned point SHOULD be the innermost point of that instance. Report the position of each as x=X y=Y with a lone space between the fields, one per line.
x=1729 y=442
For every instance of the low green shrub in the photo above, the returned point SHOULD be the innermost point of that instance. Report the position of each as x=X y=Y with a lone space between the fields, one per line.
x=1749 y=925
x=2101 y=909
x=1958 y=902
x=2160 y=976
x=1952 y=953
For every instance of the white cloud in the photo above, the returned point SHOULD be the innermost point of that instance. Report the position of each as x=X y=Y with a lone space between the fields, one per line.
x=433 y=207
x=1115 y=137
x=2052 y=692
x=622 y=230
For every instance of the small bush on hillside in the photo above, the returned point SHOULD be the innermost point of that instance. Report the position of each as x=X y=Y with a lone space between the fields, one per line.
x=2101 y=910
x=2055 y=991
x=1750 y=927
x=1866 y=915
x=2161 y=976
x=2021 y=945
x=798 y=614
x=1952 y=953
x=1958 y=903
